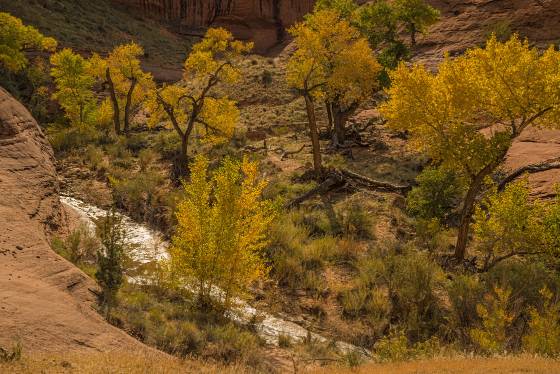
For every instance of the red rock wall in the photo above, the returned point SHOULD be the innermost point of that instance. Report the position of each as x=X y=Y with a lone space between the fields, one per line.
x=203 y=12
x=260 y=20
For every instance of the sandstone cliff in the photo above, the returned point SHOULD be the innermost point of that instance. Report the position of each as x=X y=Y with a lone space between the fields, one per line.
x=44 y=300
x=466 y=23
x=262 y=21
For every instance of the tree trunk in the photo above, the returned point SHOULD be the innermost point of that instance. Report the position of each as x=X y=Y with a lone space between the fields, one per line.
x=128 y=105
x=467 y=212
x=184 y=153
x=341 y=116
x=413 y=34
x=316 y=146
x=114 y=102
x=339 y=126
x=329 y=108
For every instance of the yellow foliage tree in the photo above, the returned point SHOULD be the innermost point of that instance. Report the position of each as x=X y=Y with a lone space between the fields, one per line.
x=467 y=115
x=544 y=327
x=74 y=86
x=492 y=336
x=222 y=230
x=334 y=63
x=195 y=104
x=509 y=223
x=16 y=38
x=128 y=85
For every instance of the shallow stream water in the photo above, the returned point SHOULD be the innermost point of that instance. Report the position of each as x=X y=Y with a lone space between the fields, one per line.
x=148 y=245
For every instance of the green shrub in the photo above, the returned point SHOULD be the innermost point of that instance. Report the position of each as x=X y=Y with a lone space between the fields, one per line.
x=284 y=341
x=146 y=158
x=95 y=158
x=78 y=247
x=356 y=222
x=502 y=30
x=393 y=347
x=465 y=292
x=353 y=302
x=544 y=327
x=136 y=142
x=65 y=139
x=415 y=283
x=371 y=304
x=140 y=194
x=13 y=354
x=167 y=143
x=496 y=317
x=435 y=195
x=232 y=344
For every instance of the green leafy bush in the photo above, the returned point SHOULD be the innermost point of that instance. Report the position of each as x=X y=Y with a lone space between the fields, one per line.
x=435 y=194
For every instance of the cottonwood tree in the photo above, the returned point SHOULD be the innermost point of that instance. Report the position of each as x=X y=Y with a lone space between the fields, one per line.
x=17 y=38
x=467 y=115
x=332 y=63
x=222 y=230
x=353 y=79
x=127 y=84
x=74 y=86
x=196 y=104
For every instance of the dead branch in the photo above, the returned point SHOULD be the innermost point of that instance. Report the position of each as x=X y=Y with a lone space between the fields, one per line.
x=328 y=184
x=289 y=153
x=531 y=169
x=372 y=184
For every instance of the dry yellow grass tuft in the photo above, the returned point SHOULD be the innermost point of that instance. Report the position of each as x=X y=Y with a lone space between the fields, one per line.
x=478 y=365
x=114 y=362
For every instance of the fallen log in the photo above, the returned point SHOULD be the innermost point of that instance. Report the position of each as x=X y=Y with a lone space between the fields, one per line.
x=338 y=178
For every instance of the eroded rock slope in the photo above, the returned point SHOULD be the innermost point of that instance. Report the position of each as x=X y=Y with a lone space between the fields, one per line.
x=44 y=300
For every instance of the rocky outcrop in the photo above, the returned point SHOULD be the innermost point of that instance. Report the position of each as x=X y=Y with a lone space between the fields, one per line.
x=263 y=21
x=466 y=23
x=44 y=300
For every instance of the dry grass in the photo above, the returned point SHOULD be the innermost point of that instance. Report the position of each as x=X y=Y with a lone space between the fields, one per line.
x=115 y=362
x=477 y=365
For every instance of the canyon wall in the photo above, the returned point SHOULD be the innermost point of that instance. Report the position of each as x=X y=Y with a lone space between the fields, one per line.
x=263 y=21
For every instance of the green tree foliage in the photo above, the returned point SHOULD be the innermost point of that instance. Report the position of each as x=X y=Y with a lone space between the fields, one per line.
x=195 y=105
x=110 y=259
x=416 y=16
x=74 y=86
x=222 y=230
x=380 y=22
x=17 y=38
x=505 y=86
x=435 y=195
x=345 y=8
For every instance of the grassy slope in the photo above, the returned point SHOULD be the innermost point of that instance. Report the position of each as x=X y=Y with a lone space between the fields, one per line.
x=87 y=25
